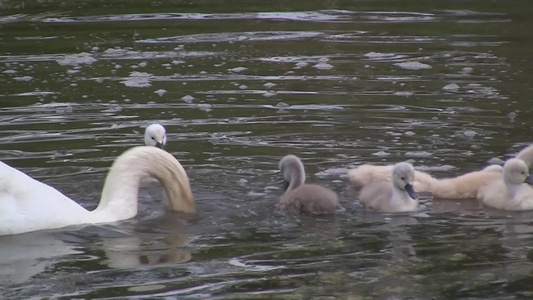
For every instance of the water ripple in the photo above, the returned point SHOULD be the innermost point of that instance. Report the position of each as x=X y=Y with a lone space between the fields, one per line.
x=342 y=16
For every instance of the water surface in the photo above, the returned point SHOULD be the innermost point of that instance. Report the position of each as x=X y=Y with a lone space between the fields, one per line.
x=445 y=85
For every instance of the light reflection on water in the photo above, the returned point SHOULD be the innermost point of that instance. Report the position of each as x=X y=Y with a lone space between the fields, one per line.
x=237 y=91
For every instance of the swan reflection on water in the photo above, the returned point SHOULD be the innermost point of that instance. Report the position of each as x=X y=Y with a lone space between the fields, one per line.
x=162 y=242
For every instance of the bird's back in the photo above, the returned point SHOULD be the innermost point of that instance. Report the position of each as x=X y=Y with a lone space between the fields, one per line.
x=376 y=195
x=366 y=174
x=310 y=198
x=27 y=204
x=466 y=186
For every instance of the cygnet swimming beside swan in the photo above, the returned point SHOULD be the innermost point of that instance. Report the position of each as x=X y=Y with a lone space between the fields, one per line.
x=155 y=135
x=365 y=174
x=301 y=197
x=29 y=205
x=512 y=192
x=397 y=195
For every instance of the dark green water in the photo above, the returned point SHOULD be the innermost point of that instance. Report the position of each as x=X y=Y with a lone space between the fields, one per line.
x=239 y=84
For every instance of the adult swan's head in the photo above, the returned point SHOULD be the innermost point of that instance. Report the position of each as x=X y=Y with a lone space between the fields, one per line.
x=29 y=205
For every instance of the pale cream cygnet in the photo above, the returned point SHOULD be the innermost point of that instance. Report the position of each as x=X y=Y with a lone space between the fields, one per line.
x=365 y=174
x=512 y=192
x=397 y=195
x=301 y=197
x=155 y=135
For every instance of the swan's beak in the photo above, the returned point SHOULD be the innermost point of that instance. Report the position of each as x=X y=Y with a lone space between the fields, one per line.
x=410 y=190
x=160 y=145
x=529 y=179
x=285 y=185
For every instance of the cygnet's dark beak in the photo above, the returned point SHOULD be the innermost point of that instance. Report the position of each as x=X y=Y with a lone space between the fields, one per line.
x=285 y=185
x=529 y=179
x=411 y=191
x=160 y=145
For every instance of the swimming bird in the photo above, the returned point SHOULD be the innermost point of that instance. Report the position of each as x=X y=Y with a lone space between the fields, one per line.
x=155 y=135
x=397 y=195
x=365 y=174
x=302 y=197
x=512 y=192
x=29 y=205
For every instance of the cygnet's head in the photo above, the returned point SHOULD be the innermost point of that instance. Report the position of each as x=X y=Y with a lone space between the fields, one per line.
x=292 y=169
x=155 y=135
x=403 y=175
x=515 y=171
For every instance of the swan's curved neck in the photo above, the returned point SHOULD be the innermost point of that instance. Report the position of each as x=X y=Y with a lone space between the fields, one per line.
x=119 y=195
x=297 y=175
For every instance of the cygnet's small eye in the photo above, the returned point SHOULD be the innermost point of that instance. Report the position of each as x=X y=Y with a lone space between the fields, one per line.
x=153 y=138
x=403 y=178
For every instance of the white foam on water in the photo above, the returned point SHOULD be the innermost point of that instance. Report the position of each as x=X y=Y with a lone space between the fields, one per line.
x=83 y=58
x=452 y=87
x=187 y=98
x=418 y=154
x=375 y=55
x=381 y=153
x=323 y=66
x=23 y=78
x=138 y=79
x=404 y=94
x=237 y=69
x=413 y=65
x=160 y=92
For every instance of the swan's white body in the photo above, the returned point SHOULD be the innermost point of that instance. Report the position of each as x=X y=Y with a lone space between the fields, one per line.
x=155 y=135
x=302 y=197
x=365 y=174
x=28 y=205
x=396 y=195
x=511 y=193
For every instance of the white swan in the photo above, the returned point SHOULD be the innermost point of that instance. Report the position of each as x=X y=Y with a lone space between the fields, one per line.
x=365 y=174
x=155 y=135
x=397 y=195
x=29 y=205
x=302 y=197
x=513 y=192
